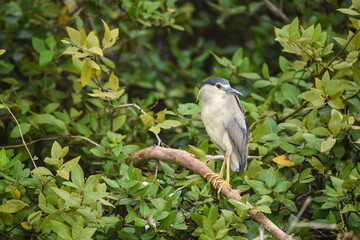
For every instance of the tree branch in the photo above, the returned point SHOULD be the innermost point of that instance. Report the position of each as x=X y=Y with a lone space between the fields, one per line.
x=277 y=11
x=291 y=114
x=185 y=159
x=262 y=119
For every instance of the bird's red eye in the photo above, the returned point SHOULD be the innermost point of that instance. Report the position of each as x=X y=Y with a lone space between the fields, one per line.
x=218 y=85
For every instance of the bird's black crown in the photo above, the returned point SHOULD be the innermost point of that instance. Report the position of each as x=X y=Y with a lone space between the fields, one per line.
x=214 y=80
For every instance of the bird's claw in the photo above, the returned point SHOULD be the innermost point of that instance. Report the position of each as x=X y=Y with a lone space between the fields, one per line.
x=222 y=184
x=218 y=180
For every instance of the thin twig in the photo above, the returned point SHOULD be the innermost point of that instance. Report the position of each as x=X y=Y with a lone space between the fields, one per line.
x=339 y=53
x=262 y=119
x=302 y=49
x=221 y=157
x=277 y=11
x=111 y=114
x=261 y=232
x=52 y=138
x=130 y=105
x=292 y=114
x=298 y=216
x=316 y=225
x=23 y=140
x=142 y=111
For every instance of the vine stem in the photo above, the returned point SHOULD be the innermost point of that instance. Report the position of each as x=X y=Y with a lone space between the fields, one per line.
x=22 y=138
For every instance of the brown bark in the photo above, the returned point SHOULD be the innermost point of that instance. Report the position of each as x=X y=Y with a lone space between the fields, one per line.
x=185 y=159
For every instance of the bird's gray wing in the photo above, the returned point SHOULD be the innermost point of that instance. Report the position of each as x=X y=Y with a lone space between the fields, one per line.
x=239 y=134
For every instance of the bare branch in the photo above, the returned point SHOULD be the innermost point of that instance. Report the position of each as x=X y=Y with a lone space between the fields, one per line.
x=298 y=216
x=221 y=157
x=277 y=11
x=291 y=114
x=262 y=119
x=51 y=138
x=185 y=159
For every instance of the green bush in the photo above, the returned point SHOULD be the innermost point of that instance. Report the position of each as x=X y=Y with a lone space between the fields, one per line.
x=91 y=82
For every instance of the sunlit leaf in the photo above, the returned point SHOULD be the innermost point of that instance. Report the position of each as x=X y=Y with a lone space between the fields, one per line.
x=283 y=160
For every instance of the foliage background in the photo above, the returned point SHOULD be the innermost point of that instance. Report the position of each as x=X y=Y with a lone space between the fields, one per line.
x=164 y=50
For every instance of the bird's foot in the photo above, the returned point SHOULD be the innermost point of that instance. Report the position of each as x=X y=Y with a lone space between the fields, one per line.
x=223 y=183
x=218 y=180
x=215 y=178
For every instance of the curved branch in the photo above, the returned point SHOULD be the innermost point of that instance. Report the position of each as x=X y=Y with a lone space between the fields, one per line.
x=185 y=159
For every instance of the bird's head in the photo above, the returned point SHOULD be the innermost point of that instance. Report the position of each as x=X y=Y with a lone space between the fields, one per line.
x=216 y=86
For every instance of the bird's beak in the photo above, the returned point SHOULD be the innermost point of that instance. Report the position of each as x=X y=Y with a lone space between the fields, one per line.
x=230 y=90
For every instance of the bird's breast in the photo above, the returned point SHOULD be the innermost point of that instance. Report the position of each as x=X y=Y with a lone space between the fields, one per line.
x=215 y=115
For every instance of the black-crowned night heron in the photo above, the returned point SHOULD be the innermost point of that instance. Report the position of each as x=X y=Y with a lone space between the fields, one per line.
x=226 y=123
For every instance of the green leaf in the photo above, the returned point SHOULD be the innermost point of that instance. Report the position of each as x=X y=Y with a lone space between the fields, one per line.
x=265 y=71
x=189 y=108
x=258 y=133
x=320 y=131
x=87 y=233
x=270 y=177
x=96 y=50
x=42 y=171
x=328 y=205
x=161 y=116
x=51 y=107
x=61 y=229
x=208 y=229
x=74 y=35
x=348 y=11
x=77 y=176
x=169 y=124
x=290 y=93
x=3 y=159
x=356 y=4
x=147 y=120
x=12 y=206
x=283 y=186
x=335 y=122
x=38 y=44
x=328 y=144
x=336 y=103
x=113 y=82
x=262 y=208
x=86 y=73
x=15 y=133
x=155 y=129
x=45 y=57
x=55 y=150
x=259 y=187
x=356 y=74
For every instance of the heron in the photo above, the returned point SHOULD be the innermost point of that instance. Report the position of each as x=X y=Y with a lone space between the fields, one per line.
x=226 y=124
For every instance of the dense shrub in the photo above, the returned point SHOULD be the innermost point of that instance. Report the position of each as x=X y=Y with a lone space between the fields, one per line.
x=91 y=82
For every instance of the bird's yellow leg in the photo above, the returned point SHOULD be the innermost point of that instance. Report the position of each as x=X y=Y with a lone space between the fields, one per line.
x=217 y=177
x=227 y=181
